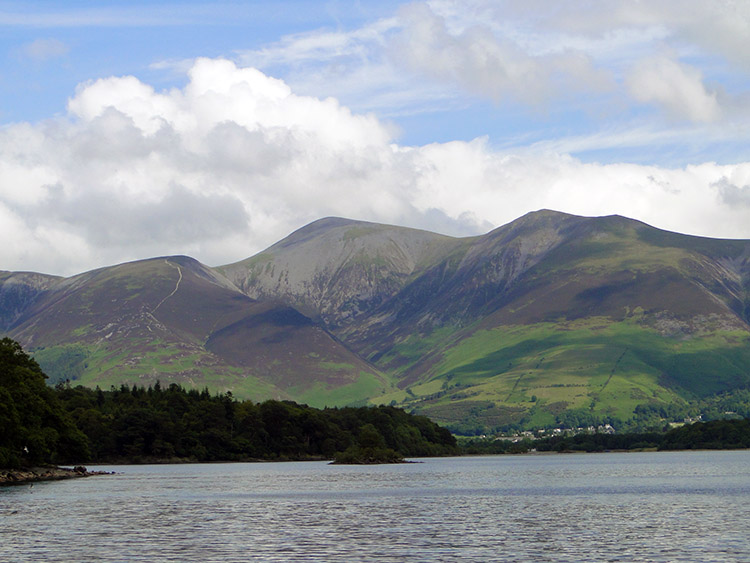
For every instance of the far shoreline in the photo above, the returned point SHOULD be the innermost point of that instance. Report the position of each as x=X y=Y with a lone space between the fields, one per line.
x=30 y=475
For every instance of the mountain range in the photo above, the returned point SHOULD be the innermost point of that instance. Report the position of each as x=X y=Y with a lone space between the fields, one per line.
x=547 y=315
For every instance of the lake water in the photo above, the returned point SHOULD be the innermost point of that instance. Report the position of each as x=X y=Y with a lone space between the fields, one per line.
x=684 y=506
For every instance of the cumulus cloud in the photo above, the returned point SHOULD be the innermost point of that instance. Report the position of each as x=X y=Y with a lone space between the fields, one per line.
x=235 y=160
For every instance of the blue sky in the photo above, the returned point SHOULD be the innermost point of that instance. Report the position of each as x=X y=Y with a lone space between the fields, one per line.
x=129 y=130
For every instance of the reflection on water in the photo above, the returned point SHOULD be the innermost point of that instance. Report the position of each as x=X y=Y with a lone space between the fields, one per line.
x=686 y=506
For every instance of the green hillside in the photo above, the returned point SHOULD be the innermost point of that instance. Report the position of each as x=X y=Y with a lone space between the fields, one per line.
x=614 y=316
x=537 y=372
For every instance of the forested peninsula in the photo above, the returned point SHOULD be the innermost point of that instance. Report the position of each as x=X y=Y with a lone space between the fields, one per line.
x=62 y=425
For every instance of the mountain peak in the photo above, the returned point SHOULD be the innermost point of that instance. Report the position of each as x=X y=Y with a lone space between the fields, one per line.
x=320 y=225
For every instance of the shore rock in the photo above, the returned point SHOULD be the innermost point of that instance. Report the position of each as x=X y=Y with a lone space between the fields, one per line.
x=32 y=474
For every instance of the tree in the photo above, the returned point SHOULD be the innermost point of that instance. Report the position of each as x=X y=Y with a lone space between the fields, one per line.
x=34 y=428
x=369 y=437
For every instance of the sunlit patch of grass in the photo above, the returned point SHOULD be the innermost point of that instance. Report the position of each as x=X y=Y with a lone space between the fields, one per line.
x=364 y=387
x=597 y=364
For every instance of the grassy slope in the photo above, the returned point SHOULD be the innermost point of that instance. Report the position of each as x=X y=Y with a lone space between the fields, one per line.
x=596 y=364
x=580 y=332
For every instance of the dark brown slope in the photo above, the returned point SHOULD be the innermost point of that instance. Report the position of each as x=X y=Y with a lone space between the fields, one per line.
x=602 y=266
x=175 y=320
x=375 y=284
x=474 y=279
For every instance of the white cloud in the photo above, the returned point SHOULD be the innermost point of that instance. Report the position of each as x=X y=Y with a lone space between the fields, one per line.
x=487 y=64
x=677 y=87
x=324 y=45
x=236 y=160
x=500 y=187
x=720 y=27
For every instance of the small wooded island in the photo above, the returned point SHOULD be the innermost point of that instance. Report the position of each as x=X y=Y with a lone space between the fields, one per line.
x=369 y=449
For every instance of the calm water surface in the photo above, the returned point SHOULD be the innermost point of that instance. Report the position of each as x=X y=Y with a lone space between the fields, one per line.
x=686 y=506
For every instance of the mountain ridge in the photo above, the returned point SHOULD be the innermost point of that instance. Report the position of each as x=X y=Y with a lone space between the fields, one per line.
x=581 y=314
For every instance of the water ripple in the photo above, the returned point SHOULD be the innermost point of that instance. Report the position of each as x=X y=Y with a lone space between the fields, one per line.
x=672 y=507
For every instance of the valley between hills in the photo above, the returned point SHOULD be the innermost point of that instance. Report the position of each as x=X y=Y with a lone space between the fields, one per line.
x=553 y=319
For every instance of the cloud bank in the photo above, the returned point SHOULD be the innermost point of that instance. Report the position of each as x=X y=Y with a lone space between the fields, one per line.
x=235 y=160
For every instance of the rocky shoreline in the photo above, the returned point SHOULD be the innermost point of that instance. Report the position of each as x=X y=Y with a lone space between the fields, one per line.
x=51 y=473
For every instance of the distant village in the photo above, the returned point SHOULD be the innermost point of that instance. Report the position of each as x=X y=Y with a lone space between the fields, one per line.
x=600 y=429
x=544 y=433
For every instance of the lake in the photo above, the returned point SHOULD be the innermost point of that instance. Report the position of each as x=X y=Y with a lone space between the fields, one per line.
x=675 y=506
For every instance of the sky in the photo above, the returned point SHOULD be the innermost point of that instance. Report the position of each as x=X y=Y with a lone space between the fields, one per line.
x=130 y=130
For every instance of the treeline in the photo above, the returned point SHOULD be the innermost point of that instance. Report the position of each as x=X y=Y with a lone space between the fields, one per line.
x=712 y=435
x=67 y=424
x=143 y=424
x=576 y=443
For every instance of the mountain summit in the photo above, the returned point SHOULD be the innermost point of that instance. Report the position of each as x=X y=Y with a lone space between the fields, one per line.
x=552 y=315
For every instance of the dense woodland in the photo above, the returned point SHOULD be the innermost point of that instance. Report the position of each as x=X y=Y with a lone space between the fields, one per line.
x=65 y=424
x=139 y=424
